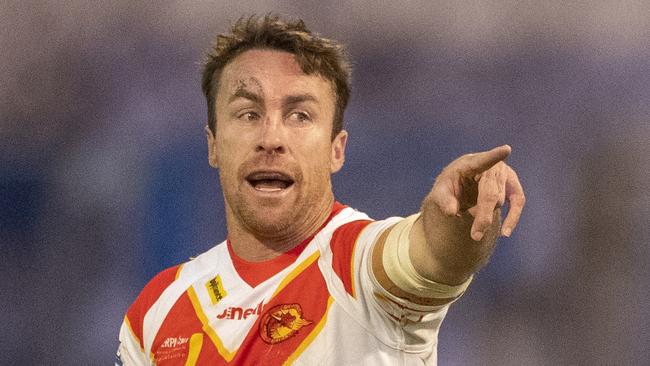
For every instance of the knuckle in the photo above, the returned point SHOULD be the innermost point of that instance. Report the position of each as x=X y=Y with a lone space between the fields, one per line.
x=482 y=221
x=490 y=173
x=438 y=192
x=440 y=200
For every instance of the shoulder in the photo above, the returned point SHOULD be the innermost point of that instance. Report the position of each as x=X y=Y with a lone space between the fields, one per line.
x=154 y=288
x=183 y=272
x=341 y=233
x=351 y=228
x=147 y=297
x=158 y=283
x=347 y=244
x=159 y=295
x=354 y=226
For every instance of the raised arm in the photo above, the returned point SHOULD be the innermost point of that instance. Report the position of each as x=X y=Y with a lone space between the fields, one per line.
x=456 y=232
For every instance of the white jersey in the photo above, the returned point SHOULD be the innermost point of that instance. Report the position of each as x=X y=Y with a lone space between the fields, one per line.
x=318 y=304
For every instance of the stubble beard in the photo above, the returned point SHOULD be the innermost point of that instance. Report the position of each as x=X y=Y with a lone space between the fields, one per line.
x=259 y=220
x=281 y=224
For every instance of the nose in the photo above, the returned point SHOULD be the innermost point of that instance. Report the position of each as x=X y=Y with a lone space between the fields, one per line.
x=272 y=136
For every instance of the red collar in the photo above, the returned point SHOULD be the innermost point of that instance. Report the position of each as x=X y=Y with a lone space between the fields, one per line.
x=255 y=273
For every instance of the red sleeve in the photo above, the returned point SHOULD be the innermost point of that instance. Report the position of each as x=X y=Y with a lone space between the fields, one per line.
x=148 y=296
x=343 y=244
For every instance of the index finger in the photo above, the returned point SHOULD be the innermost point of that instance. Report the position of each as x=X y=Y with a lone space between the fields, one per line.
x=480 y=162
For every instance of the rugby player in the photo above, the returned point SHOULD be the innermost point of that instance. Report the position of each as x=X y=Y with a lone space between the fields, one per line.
x=302 y=278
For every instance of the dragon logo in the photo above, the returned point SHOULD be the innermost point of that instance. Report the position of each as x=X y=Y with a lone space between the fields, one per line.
x=281 y=322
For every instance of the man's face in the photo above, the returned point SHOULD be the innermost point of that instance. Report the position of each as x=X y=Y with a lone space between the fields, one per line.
x=273 y=144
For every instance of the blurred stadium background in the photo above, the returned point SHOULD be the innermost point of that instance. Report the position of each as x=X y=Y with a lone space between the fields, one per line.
x=104 y=179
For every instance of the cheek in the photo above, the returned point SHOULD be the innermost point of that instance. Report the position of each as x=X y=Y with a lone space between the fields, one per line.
x=229 y=148
x=229 y=161
x=319 y=166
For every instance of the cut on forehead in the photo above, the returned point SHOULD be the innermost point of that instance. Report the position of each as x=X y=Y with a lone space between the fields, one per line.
x=245 y=87
x=262 y=60
x=236 y=75
x=255 y=94
x=256 y=72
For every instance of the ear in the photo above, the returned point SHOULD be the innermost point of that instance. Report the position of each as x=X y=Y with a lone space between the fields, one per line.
x=338 y=151
x=212 y=148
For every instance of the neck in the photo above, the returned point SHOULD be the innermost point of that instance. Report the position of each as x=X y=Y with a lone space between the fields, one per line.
x=256 y=247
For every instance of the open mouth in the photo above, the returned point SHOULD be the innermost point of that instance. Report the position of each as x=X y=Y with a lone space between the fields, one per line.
x=265 y=181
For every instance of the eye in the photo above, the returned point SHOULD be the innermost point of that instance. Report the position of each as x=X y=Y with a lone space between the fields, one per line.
x=299 y=117
x=249 y=116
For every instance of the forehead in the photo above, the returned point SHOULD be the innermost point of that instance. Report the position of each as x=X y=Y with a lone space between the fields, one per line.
x=271 y=73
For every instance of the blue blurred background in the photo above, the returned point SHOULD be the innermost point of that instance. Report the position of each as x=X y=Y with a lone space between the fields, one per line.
x=104 y=178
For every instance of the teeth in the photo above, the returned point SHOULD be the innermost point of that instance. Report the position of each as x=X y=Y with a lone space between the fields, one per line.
x=270 y=182
x=269 y=185
x=268 y=189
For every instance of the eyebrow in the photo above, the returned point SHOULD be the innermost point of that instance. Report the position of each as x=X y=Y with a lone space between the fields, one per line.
x=299 y=98
x=256 y=98
x=246 y=94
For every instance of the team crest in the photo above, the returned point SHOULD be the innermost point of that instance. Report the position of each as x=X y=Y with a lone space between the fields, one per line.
x=281 y=322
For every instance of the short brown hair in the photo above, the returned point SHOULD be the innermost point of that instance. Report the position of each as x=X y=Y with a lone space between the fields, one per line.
x=314 y=54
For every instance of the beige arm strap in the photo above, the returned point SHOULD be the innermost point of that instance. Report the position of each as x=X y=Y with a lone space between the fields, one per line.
x=399 y=268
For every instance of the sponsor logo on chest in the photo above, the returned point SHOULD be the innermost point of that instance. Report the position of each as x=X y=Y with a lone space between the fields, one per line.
x=215 y=290
x=171 y=342
x=238 y=313
x=172 y=349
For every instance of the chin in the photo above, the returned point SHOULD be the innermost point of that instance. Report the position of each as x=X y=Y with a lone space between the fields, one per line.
x=269 y=227
x=268 y=220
